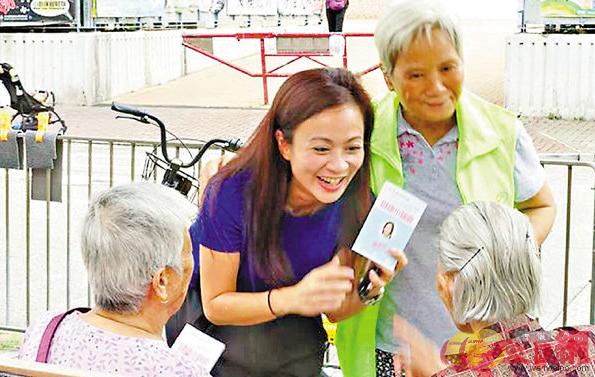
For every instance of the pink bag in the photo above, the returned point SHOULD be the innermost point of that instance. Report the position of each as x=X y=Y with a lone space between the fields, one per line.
x=336 y=4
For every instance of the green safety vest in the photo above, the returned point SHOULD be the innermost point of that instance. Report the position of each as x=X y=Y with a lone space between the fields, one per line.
x=484 y=171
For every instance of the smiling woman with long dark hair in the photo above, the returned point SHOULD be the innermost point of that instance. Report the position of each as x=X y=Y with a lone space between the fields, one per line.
x=276 y=223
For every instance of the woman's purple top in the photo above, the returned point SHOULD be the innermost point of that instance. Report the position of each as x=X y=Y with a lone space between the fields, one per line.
x=308 y=241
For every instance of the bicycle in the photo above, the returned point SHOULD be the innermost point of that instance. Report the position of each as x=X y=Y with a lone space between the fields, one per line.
x=175 y=175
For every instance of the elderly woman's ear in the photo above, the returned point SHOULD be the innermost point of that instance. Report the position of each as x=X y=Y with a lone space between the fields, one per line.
x=161 y=284
x=386 y=77
x=444 y=286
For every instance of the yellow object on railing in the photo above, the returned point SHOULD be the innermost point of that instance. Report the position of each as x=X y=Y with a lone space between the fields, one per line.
x=330 y=328
x=43 y=119
x=5 y=124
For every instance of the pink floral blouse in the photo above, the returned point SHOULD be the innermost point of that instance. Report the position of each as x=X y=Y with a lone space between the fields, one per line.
x=78 y=344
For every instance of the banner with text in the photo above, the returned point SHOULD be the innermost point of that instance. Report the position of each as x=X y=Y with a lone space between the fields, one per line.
x=37 y=11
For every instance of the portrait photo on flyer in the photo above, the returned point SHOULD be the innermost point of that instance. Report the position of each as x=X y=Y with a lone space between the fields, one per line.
x=389 y=225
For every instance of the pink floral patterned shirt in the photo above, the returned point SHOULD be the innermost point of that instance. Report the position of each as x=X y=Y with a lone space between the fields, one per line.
x=78 y=344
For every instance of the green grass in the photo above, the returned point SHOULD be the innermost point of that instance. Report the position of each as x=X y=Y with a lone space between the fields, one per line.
x=10 y=341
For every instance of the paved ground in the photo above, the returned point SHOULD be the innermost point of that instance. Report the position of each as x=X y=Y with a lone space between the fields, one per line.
x=558 y=135
x=562 y=136
x=549 y=135
x=186 y=122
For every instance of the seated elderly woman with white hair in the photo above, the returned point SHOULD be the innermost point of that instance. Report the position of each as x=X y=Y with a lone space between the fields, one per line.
x=137 y=252
x=489 y=279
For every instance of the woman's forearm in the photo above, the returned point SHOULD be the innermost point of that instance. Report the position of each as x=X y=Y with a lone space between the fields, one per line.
x=541 y=210
x=245 y=309
x=322 y=290
x=541 y=219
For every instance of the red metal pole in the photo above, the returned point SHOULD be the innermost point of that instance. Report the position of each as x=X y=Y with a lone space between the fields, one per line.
x=263 y=65
x=263 y=55
x=368 y=70
x=345 y=51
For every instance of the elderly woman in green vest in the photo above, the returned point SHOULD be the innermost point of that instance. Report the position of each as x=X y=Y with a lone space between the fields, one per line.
x=447 y=146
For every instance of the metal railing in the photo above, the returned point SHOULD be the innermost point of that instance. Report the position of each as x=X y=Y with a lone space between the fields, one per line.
x=570 y=162
x=41 y=272
x=42 y=269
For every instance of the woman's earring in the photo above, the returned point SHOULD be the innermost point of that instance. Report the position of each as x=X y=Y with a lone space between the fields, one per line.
x=164 y=300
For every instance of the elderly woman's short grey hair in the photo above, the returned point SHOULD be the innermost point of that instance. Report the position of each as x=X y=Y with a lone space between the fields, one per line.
x=493 y=252
x=405 y=20
x=129 y=233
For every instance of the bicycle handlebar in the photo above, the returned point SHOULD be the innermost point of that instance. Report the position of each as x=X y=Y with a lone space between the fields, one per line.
x=127 y=109
x=139 y=115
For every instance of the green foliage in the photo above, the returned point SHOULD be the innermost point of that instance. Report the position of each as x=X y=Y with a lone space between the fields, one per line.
x=10 y=341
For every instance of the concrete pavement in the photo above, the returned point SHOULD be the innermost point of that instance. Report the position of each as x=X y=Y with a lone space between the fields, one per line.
x=561 y=135
x=549 y=135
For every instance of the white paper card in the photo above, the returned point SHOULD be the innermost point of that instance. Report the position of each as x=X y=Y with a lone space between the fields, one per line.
x=389 y=225
x=199 y=346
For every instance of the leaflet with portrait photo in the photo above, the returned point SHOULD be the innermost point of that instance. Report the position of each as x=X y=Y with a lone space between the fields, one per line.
x=389 y=225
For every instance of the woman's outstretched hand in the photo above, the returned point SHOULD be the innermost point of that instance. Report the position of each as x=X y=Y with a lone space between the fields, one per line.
x=322 y=290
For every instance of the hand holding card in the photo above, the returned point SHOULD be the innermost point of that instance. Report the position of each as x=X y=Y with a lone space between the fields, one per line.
x=374 y=278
